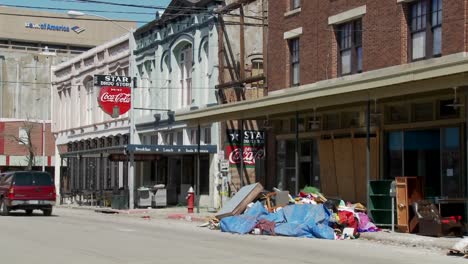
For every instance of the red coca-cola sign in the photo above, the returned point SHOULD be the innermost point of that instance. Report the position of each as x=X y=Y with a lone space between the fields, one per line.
x=249 y=153
x=111 y=97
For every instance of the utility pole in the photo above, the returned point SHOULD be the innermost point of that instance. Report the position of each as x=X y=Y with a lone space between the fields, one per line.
x=242 y=44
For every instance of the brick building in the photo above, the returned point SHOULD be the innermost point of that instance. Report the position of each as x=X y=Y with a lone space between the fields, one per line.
x=362 y=91
x=41 y=138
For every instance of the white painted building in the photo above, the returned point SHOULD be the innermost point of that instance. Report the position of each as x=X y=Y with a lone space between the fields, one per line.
x=176 y=64
x=83 y=132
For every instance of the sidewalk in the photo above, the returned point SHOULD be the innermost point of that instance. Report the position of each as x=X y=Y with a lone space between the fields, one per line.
x=180 y=213
x=411 y=240
x=175 y=212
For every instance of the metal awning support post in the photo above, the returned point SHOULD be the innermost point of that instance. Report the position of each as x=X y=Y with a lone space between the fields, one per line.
x=368 y=164
x=241 y=153
x=61 y=183
x=297 y=154
x=198 y=169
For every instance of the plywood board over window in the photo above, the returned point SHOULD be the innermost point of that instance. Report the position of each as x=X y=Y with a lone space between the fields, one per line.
x=329 y=186
x=360 y=165
x=343 y=163
x=344 y=167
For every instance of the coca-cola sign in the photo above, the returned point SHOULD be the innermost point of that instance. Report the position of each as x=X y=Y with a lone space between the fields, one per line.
x=249 y=153
x=111 y=97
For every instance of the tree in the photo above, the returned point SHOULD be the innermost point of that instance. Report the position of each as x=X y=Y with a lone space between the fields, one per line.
x=24 y=138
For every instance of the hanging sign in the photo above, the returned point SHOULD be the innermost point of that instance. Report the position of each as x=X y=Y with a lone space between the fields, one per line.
x=114 y=95
x=249 y=153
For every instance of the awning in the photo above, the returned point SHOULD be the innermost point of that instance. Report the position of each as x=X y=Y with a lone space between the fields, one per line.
x=401 y=80
x=141 y=150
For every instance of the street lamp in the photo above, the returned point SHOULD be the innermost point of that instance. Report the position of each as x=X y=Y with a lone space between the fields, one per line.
x=131 y=45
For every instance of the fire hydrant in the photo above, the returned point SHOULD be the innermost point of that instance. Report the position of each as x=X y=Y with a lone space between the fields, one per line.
x=190 y=200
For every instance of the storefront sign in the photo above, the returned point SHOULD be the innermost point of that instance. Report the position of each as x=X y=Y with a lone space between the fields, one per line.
x=114 y=101
x=250 y=154
x=112 y=80
x=171 y=149
x=137 y=157
x=52 y=27
x=250 y=137
x=114 y=95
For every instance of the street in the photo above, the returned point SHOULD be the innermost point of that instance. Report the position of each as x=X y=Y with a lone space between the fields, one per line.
x=81 y=236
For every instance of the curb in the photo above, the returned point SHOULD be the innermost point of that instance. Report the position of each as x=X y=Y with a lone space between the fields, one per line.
x=187 y=217
x=415 y=242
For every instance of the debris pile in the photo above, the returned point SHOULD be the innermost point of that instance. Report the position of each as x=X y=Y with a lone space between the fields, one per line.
x=309 y=214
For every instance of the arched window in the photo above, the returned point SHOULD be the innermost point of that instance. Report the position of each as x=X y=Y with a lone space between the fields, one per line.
x=185 y=60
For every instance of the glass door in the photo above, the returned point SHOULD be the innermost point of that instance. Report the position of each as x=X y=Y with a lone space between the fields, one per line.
x=451 y=181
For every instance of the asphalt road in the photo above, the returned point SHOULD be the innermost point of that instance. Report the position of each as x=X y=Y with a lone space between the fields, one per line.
x=78 y=236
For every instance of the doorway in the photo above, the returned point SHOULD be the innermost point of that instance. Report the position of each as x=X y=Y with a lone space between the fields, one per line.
x=433 y=154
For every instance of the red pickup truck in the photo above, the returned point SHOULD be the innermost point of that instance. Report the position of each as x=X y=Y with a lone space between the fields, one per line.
x=26 y=190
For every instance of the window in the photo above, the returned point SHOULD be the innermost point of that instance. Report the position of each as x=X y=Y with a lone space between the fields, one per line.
x=207 y=135
x=193 y=137
x=185 y=65
x=295 y=64
x=426 y=29
x=90 y=99
x=350 y=40
x=295 y=4
x=23 y=136
x=154 y=139
x=180 y=138
x=437 y=27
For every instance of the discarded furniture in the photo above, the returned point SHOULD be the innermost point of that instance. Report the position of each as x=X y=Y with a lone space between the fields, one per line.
x=159 y=196
x=439 y=201
x=238 y=203
x=380 y=202
x=144 y=197
x=432 y=224
x=276 y=200
x=120 y=200
x=408 y=191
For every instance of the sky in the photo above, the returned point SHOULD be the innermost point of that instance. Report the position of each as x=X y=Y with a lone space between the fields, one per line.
x=110 y=11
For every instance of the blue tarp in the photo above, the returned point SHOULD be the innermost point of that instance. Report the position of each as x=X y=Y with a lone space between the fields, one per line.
x=305 y=220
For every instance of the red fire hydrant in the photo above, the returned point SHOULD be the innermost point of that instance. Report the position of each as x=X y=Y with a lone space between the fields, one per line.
x=190 y=200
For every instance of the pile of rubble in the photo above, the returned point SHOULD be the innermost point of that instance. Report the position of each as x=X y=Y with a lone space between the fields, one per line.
x=309 y=214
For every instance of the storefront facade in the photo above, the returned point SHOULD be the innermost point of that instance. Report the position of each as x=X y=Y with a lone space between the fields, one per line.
x=366 y=105
x=175 y=65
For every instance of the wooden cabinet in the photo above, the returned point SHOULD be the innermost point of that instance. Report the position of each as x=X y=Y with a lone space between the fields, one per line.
x=408 y=191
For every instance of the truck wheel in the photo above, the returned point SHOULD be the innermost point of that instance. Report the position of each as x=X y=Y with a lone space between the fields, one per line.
x=29 y=211
x=4 y=211
x=47 y=212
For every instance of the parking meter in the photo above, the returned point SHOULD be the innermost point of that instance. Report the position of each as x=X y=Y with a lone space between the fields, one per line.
x=392 y=196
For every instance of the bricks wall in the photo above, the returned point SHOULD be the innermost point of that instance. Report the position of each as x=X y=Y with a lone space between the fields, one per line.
x=13 y=148
x=385 y=36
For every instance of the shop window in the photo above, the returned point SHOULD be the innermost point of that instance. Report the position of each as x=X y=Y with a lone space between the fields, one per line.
x=331 y=121
x=349 y=119
x=423 y=112
x=301 y=125
x=448 y=109
x=395 y=114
